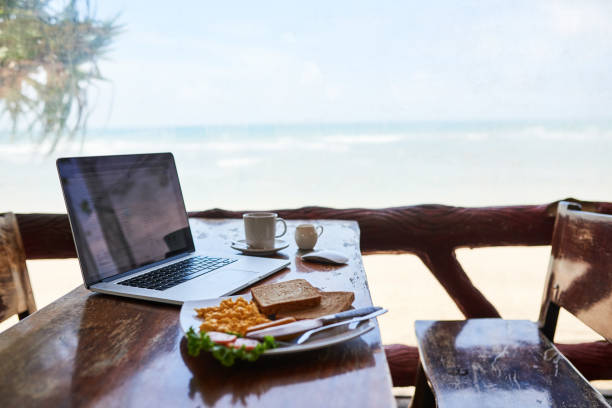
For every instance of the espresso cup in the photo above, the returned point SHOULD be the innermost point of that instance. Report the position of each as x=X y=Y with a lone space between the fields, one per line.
x=260 y=229
x=306 y=235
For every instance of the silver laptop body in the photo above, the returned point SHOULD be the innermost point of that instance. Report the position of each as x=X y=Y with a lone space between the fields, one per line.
x=132 y=234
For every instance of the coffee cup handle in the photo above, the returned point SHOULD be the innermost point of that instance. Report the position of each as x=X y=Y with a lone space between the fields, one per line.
x=320 y=231
x=284 y=227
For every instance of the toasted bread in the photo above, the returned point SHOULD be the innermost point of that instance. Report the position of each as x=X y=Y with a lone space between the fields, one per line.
x=331 y=302
x=285 y=296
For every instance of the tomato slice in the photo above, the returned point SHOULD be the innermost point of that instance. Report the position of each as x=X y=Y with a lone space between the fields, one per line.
x=249 y=344
x=221 y=338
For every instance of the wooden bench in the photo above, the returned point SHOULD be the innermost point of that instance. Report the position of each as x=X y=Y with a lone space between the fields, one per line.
x=514 y=363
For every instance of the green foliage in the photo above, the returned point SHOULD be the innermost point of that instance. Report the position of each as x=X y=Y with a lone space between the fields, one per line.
x=226 y=355
x=48 y=60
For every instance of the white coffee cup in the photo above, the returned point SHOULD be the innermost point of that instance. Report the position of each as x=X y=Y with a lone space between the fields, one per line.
x=260 y=229
x=306 y=235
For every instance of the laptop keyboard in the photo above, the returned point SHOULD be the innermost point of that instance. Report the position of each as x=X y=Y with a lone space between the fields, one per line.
x=177 y=273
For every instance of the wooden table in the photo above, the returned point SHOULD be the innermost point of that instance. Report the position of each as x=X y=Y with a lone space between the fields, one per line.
x=89 y=349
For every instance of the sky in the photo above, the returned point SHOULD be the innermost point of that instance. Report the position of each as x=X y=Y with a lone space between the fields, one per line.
x=204 y=62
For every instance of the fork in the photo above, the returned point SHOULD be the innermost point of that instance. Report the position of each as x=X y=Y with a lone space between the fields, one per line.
x=352 y=325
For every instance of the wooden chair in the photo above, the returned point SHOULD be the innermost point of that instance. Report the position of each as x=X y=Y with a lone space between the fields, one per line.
x=514 y=363
x=15 y=290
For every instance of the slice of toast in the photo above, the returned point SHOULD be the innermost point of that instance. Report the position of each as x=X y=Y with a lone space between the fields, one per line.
x=285 y=296
x=331 y=302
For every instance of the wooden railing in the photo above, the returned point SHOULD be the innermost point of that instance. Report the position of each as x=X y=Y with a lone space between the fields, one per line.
x=432 y=232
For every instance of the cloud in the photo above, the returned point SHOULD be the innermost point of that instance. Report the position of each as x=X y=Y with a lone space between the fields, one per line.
x=288 y=38
x=311 y=73
x=419 y=61
x=237 y=162
x=574 y=18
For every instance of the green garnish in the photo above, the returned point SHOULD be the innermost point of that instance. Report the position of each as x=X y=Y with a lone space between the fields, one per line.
x=226 y=355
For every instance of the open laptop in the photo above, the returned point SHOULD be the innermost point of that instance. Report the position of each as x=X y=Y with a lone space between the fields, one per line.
x=132 y=233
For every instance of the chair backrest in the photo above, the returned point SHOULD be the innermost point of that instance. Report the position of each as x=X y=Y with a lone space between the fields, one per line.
x=580 y=270
x=15 y=290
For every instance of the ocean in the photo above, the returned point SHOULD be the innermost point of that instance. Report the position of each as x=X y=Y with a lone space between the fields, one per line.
x=341 y=165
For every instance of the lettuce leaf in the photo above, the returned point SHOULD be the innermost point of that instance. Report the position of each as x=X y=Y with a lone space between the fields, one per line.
x=196 y=343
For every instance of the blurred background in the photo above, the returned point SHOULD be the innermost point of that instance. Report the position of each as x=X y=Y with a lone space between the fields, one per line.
x=271 y=105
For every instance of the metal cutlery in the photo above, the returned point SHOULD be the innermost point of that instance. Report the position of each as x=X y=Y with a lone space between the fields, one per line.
x=290 y=330
x=352 y=325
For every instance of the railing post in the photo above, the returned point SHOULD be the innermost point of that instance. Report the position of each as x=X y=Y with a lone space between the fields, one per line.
x=443 y=264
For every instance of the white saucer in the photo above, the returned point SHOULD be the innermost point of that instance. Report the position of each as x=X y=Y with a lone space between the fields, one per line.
x=242 y=246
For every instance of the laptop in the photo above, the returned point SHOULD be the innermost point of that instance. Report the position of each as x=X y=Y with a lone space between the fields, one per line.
x=132 y=234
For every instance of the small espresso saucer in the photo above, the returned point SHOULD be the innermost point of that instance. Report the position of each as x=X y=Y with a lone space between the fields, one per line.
x=243 y=247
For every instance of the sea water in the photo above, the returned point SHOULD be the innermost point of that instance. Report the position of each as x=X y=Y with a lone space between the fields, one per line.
x=341 y=165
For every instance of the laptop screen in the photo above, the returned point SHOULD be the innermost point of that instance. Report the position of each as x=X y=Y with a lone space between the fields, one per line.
x=126 y=212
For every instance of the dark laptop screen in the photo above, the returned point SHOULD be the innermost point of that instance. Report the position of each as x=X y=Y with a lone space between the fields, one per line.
x=126 y=212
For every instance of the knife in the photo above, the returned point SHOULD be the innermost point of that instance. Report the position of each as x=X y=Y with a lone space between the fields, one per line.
x=350 y=322
x=290 y=330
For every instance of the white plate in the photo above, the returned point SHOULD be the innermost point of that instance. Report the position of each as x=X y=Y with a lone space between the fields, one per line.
x=326 y=338
x=243 y=247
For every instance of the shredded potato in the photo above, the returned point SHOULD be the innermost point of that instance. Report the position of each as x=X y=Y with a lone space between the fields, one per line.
x=230 y=316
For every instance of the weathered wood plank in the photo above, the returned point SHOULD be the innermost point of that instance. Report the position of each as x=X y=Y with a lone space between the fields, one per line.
x=499 y=363
x=46 y=236
x=591 y=359
x=403 y=361
x=15 y=290
x=399 y=229
x=580 y=274
x=9 y=293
